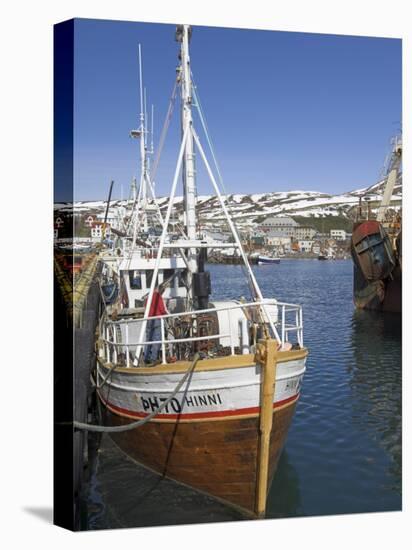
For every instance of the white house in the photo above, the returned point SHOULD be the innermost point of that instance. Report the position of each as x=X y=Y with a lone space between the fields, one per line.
x=338 y=234
x=278 y=240
x=305 y=245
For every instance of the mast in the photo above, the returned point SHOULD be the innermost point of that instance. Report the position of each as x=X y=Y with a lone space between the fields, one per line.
x=183 y=34
x=107 y=209
x=134 y=190
x=186 y=162
x=393 y=169
x=151 y=143
x=141 y=133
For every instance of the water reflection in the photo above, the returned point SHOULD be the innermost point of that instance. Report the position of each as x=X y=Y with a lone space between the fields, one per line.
x=343 y=450
x=284 y=498
x=376 y=384
x=124 y=494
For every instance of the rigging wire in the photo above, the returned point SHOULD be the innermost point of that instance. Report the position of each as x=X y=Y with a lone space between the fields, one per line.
x=198 y=105
x=134 y=217
x=164 y=131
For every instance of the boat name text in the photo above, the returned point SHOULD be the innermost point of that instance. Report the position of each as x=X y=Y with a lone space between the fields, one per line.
x=175 y=406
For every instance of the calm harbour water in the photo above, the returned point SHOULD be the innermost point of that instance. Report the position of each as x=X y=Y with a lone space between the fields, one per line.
x=343 y=452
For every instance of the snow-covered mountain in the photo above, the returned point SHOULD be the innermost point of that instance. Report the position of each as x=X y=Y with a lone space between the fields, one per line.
x=251 y=209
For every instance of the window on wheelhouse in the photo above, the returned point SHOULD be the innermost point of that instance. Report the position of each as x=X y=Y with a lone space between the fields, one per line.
x=149 y=277
x=135 y=280
x=167 y=274
x=182 y=278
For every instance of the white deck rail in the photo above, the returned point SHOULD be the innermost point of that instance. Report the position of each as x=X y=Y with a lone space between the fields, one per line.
x=288 y=320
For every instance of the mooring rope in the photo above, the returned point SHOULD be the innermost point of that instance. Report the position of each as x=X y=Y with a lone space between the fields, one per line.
x=100 y=386
x=142 y=421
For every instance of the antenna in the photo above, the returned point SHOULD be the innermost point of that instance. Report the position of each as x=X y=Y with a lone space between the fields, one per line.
x=145 y=119
x=151 y=145
x=141 y=84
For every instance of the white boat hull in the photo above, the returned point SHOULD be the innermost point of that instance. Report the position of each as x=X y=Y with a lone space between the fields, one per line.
x=208 y=394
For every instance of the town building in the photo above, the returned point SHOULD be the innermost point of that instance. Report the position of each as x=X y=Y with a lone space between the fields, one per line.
x=279 y=241
x=305 y=245
x=281 y=224
x=304 y=232
x=338 y=234
x=322 y=236
x=316 y=248
x=257 y=241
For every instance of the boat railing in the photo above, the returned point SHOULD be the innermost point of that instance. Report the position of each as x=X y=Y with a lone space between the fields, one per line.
x=115 y=345
x=146 y=253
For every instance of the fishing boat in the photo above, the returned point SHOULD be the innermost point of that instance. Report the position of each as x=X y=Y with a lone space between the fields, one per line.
x=376 y=247
x=213 y=411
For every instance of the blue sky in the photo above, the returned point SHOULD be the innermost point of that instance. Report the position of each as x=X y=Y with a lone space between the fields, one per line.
x=285 y=110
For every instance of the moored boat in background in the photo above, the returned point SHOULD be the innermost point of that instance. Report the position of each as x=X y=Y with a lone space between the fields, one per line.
x=261 y=259
x=326 y=255
x=376 y=248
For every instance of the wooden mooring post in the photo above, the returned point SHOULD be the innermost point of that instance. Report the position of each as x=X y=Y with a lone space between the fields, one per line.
x=267 y=356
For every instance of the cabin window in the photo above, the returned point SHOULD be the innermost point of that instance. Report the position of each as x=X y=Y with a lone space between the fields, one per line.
x=135 y=280
x=149 y=277
x=182 y=278
x=167 y=273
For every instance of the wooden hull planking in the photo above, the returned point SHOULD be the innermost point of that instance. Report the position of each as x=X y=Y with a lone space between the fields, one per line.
x=209 y=438
x=216 y=457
